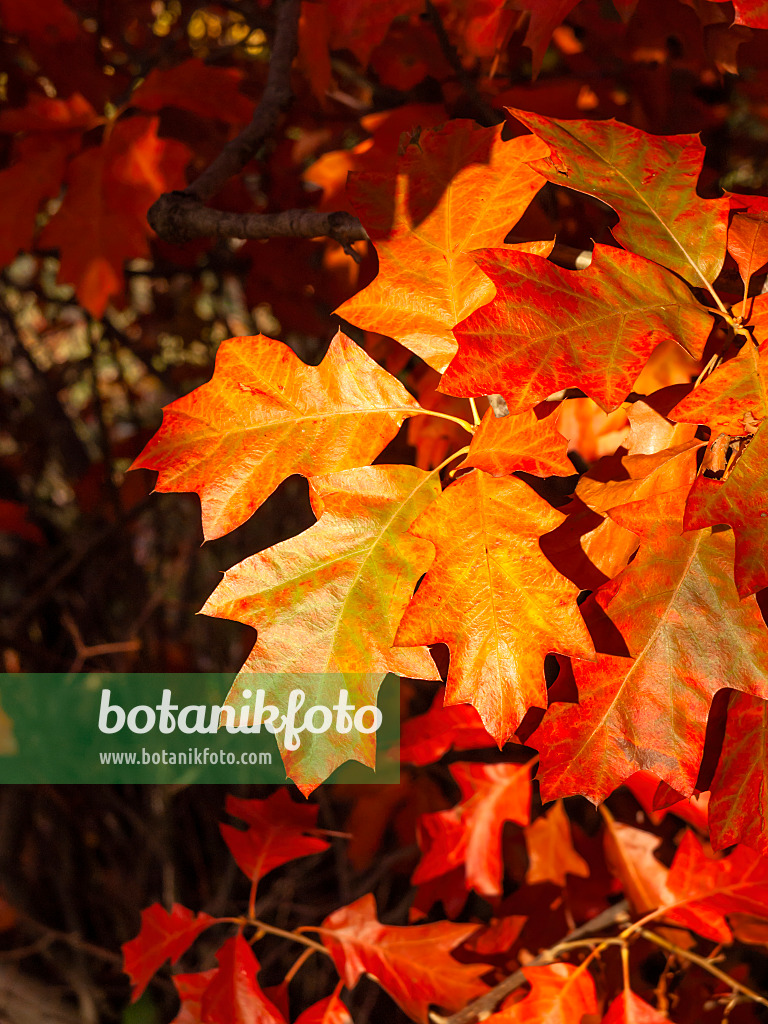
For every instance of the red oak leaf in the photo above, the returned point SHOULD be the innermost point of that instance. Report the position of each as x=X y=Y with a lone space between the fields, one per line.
x=327 y=1011
x=649 y=180
x=493 y=598
x=630 y=855
x=162 y=936
x=321 y=607
x=233 y=995
x=748 y=230
x=413 y=964
x=424 y=739
x=190 y=989
x=359 y=26
x=277 y=832
x=528 y=441
x=671 y=631
x=738 y=806
x=627 y=1008
x=703 y=890
x=470 y=833
x=551 y=855
x=545 y=16
x=549 y=328
x=102 y=220
x=197 y=87
x=459 y=188
x=266 y=415
x=753 y=13
x=560 y=994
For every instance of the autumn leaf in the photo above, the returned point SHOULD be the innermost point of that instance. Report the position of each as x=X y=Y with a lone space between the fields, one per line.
x=551 y=855
x=359 y=26
x=265 y=415
x=560 y=994
x=413 y=964
x=738 y=806
x=328 y=603
x=197 y=87
x=470 y=833
x=670 y=631
x=753 y=13
x=528 y=441
x=748 y=232
x=703 y=890
x=548 y=329
x=458 y=188
x=102 y=220
x=425 y=738
x=233 y=995
x=190 y=989
x=649 y=180
x=328 y=1011
x=544 y=17
x=493 y=598
x=627 y=1008
x=741 y=501
x=630 y=855
x=162 y=936
x=277 y=833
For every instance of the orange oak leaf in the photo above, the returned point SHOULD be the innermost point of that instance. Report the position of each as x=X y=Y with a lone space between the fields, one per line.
x=627 y=1008
x=549 y=328
x=413 y=964
x=741 y=501
x=197 y=87
x=458 y=188
x=328 y=603
x=265 y=415
x=649 y=180
x=738 y=806
x=328 y=1011
x=670 y=631
x=190 y=989
x=277 y=832
x=748 y=232
x=528 y=441
x=703 y=890
x=560 y=994
x=425 y=738
x=163 y=935
x=551 y=855
x=630 y=855
x=102 y=221
x=470 y=833
x=493 y=598
x=233 y=995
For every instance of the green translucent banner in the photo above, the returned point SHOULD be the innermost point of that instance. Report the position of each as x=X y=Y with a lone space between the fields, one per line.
x=173 y=728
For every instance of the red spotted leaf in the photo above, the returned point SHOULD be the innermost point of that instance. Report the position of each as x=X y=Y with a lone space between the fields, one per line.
x=493 y=598
x=459 y=188
x=413 y=964
x=649 y=180
x=549 y=328
x=163 y=936
x=277 y=832
x=265 y=415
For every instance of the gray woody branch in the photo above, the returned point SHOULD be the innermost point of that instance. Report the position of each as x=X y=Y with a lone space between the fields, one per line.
x=182 y=215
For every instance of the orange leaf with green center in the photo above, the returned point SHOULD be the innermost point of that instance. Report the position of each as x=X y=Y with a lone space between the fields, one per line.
x=458 y=188
x=671 y=631
x=328 y=602
x=493 y=598
x=527 y=441
x=265 y=415
x=649 y=180
x=738 y=806
x=741 y=501
x=413 y=964
x=102 y=220
x=549 y=328
x=470 y=833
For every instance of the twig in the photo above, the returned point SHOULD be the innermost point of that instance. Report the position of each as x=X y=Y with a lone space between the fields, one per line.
x=488 y=1002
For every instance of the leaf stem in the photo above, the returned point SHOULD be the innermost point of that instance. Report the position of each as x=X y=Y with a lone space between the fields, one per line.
x=441 y=415
x=475 y=413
